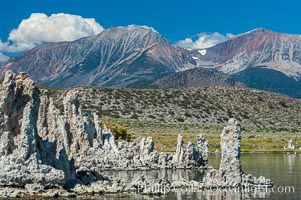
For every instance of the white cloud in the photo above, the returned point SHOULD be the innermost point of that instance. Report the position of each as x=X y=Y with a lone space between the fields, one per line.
x=205 y=40
x=39 y=28
x=143 y=26
x=3 y=57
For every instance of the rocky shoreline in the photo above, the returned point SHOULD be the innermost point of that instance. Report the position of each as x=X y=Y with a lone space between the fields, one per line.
x=46 y=153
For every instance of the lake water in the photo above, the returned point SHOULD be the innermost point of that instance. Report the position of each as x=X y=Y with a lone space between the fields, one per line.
x=283 y=169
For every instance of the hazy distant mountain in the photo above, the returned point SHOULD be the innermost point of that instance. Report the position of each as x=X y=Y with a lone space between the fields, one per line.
x=122 y=57
x=260 y=58
x=195 y=78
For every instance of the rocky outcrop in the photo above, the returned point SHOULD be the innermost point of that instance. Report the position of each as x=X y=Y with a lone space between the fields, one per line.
x=138 y=154
x=79 y=127
x=146 y=148
x=98 y=130
x=203 y=149
x=108 y=140
x=192 y=157
x=179 y=155
x=230 y=172
x=51 y=128
x=27 y=158
x=38 y=145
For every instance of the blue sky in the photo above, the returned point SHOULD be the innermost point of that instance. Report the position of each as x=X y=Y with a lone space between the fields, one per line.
x=175 y=20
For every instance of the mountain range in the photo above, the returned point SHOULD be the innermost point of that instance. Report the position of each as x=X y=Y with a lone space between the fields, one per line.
x=261 y=59
x=139 y=57
x=119 y=57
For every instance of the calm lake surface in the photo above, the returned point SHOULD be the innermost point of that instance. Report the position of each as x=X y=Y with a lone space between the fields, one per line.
x=283 y=169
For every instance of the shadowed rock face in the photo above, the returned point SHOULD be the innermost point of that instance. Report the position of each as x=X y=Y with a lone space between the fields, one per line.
x=197 y=77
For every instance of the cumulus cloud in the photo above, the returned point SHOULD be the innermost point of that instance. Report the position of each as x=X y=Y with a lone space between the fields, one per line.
x=40 y=28
x=3 y=57
x=204 y=40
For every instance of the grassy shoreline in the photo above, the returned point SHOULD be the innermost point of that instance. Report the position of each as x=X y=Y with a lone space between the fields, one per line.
x=165 y=137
